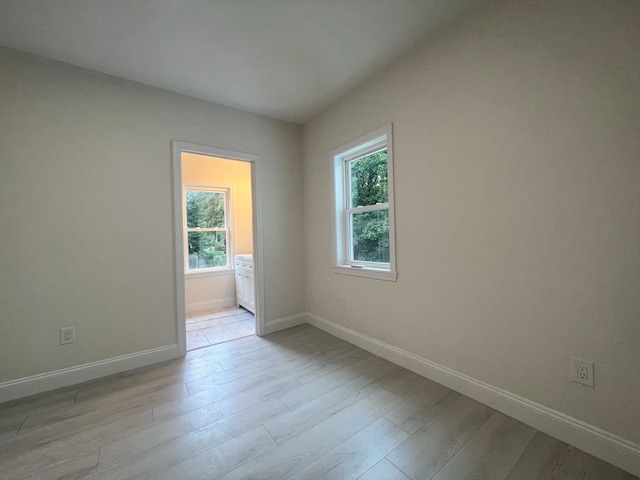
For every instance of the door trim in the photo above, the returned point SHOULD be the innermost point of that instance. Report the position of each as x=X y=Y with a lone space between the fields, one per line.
x=178 y=147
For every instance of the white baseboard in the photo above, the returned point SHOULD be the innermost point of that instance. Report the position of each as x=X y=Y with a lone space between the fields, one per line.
x=44 y=382
x=210 y=304
x=285 y=322
x=599 y=443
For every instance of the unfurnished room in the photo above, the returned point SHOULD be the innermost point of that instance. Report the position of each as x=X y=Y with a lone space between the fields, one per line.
x=320 y=239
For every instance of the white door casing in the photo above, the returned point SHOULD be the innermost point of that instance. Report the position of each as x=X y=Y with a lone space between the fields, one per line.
x=178 y=148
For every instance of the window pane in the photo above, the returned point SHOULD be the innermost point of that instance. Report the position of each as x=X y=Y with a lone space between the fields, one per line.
x=205 y=209
x=370 y=236
x=368 y=179
x=207 y=249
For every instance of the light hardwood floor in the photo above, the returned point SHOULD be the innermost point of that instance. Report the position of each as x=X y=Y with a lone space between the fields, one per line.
x=297 y=404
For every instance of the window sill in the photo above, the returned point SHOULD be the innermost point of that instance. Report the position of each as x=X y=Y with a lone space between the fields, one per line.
x=366 y=273
x=209 y=273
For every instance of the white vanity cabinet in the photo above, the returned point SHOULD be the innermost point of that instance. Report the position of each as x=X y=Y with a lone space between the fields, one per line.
x=245 y=282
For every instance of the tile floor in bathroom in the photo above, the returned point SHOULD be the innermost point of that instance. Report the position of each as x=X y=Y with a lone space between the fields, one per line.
x=209 y=327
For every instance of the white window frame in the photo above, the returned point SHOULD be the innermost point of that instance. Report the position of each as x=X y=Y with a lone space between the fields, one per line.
x=372 y=142
x=221 y=270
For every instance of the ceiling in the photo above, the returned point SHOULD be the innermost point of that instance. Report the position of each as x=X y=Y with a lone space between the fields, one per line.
x=286 y=59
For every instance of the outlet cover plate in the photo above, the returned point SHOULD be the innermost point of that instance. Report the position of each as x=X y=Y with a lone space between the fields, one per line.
x=67 y=335
x=342 y=303
x=582 y=372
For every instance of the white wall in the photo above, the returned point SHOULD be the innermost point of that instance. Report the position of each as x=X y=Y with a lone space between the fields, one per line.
x=86 y=236
x=215 y=291
x=517 y=168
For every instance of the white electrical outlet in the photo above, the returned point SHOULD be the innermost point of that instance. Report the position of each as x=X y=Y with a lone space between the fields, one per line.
x=342 y=303
x=67 y=335
x=582 y=372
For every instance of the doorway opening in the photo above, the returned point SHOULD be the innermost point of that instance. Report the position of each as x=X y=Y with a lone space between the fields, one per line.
x=217 y=240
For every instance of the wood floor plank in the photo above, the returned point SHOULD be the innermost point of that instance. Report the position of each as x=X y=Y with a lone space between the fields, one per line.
x=72 y=417
x=217 y=461
x=285 y=460
x=228 y=403
x=322 y=349
x=286 y=363
x=384 y=470
x=152 y=459
x=287 y=426
x=420 y=407
x=278 y=340
x=9 y=426
x=179 y=368
x=491 y=453
x=148 y=462
x=190 y=372
x=38 y=404
x=177 y=407
x=40 y=451
x=333 y=361
x=239 y=379
x=304 y=346
x=355 y=455
x=87 y=425
x=121 y=388
x=308 y=347
x=152 y=436
x=548 y=458
x=309 y=391
x=73 y=466
x=406 y=384
x=194 y=365
x=597 y=470
x=423 y=454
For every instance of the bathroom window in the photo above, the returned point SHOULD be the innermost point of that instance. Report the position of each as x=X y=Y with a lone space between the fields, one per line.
x=206 y=228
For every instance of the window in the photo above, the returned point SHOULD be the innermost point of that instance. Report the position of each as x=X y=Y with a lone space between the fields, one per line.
x=364 y=220
x=206 y=228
